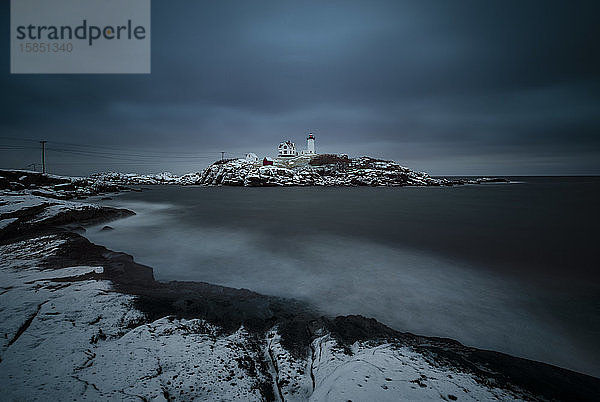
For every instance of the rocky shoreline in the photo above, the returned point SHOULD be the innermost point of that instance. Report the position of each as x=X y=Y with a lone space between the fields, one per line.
x=102 y=323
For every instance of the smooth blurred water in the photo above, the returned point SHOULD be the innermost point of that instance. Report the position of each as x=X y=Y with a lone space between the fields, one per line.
x=508 y=267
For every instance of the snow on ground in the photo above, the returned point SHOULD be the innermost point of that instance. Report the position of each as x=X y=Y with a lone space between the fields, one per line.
x=387 y=372
x=45 y=325
x=13 y=203
x=82 y=340
x=370 y=371
x=176 y=358
x=62 y=207
x=24 y=253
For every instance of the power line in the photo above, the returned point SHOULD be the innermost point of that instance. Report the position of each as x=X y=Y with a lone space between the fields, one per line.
x=87 y=146
x=118 y=155
x=124 y=155
x=87 y=163
x=120 y=150
x=93 y=155
x=18 y=139
x=15 y=148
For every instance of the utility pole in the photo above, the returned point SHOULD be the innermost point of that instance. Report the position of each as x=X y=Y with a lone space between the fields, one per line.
x=43 y=156
x=222 y=155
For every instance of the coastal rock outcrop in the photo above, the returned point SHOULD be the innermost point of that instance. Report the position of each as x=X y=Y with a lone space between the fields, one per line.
x=323 y=170
x=53 y=186
x=319 y=170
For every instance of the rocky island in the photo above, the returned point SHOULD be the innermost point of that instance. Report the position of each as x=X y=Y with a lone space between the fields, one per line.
x=80 y=321
x=318 y=170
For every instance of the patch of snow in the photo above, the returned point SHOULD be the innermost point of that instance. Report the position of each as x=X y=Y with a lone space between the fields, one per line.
x=13 y=203
x=180 y=358
x=389 y=373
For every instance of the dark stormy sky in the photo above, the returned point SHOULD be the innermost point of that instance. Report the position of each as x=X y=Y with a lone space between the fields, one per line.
x=449 y=87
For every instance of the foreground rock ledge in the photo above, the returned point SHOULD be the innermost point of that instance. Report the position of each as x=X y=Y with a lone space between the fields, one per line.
x=79 y=321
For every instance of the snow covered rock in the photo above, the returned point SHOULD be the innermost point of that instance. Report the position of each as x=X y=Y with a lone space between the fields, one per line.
x=52 y=186
x=318 y=171
x=67 y=338
x=22 y=214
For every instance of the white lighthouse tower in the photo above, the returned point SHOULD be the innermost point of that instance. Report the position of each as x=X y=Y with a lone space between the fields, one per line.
x=310 y=144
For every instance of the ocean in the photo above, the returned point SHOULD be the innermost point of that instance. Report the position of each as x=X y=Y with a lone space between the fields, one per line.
x=507 y=267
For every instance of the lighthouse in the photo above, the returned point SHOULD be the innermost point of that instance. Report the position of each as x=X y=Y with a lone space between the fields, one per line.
x=310 y=144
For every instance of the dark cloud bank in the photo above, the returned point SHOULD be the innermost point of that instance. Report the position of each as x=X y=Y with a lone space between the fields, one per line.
x=465 y=87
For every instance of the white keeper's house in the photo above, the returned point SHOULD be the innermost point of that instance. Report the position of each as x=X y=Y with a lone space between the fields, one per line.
x=287 y=149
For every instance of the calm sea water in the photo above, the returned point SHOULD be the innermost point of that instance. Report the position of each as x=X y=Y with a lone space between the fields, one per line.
x=509 y=267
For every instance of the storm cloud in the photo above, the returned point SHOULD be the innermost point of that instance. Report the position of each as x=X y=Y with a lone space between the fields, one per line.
x=464 y=87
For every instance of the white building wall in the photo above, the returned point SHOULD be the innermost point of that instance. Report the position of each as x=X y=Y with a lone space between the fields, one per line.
x=252 y=158
x=287 y=149
x=310 y=146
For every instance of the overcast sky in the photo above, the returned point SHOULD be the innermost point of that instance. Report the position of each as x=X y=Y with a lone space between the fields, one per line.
x=448 y=87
